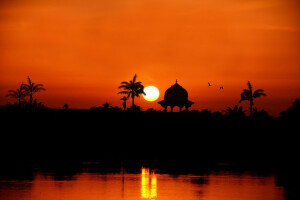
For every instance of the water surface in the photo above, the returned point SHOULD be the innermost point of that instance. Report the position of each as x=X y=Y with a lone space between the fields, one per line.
x=145 y=184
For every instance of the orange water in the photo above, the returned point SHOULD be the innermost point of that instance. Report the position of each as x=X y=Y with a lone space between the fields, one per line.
x=145 y=185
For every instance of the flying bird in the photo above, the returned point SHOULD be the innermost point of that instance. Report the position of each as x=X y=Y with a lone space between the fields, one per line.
x=221 y=88
x=209 y=84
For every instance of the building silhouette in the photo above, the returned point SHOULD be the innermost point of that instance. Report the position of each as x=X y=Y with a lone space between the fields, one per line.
x=176 y=95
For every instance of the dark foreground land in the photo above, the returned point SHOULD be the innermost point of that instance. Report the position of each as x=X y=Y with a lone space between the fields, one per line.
x=152 y=138
x=62 y=140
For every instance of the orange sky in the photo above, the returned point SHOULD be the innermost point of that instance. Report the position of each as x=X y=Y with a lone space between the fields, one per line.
x=82 y=50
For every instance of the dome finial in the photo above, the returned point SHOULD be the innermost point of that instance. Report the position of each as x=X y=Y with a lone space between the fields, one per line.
x=176 y=81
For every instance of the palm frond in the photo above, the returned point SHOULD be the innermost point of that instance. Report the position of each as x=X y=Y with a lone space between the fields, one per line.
x=12 y=91
x=123 y=92
x=250 y=86
x=27 y=87
x=39 y=85
x=29 y=80
x=13 y=95
x=126 y=87
x=246 y=91
x=22 y=86
x=39 y=89
x=134 y=78
x=258 y=93
x=259 y=90
x=125 y=83
x=244 y=97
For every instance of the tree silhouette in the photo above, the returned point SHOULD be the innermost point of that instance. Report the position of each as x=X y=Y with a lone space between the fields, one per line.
x=249 y=95
x=105 y=105
x=32 y=88
x=262 y=114
x=18 y=94
x=66 y=106
x=132 y=89
x=236 y=112
x=293 y=112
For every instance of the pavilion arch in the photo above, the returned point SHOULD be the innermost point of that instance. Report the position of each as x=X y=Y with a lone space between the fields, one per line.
x=174 y=96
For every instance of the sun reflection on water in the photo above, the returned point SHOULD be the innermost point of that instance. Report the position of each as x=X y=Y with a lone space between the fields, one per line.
x=149 y=184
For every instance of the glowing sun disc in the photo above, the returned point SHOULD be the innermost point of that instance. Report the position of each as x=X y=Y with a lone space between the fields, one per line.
x=152 y=93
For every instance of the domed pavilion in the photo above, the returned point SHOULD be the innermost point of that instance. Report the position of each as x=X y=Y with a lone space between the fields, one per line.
x=176 y=95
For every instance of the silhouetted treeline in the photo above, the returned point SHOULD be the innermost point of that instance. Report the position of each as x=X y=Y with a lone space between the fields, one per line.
x=154 y=137
x=293 y=113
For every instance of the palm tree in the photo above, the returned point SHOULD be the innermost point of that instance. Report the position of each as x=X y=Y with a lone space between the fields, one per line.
x=18 y=94
x=32 y=88
x=249 y=95
x=132 y=89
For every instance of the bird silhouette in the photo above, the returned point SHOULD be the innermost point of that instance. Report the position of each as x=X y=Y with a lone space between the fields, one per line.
x=221 y=88
x=209 y=84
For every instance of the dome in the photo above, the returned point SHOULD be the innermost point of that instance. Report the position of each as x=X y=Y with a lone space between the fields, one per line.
x=176 y=95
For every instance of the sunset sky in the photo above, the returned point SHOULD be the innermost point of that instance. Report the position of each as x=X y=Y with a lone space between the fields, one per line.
x=82 y=50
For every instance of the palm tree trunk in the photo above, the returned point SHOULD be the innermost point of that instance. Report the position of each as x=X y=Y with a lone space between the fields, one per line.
x=19 y=95
x=132 y=100
x=31 y=99
x=251 y=105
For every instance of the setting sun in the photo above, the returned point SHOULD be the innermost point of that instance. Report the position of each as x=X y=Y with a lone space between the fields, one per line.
x=152 y=93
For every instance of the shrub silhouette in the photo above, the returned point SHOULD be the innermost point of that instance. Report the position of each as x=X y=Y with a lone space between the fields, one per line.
x=236 y=112
x=66 y=106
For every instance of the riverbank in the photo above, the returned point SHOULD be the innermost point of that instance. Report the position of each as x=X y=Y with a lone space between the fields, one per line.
x=154 y=138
